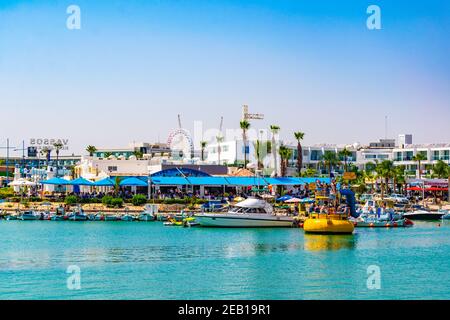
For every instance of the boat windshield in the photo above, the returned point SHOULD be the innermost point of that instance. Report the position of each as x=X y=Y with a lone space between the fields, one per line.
x=243 y=210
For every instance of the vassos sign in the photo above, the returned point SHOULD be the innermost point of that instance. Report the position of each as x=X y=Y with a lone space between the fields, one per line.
x=49 y=143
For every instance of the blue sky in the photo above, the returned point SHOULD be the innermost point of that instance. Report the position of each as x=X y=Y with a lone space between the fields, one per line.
x=307 y=65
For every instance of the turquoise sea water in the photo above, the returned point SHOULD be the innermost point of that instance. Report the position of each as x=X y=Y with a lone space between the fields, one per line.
x=132 y=260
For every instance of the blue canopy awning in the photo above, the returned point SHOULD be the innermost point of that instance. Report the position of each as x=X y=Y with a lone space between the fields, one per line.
x=107 y=182
x=81 y=182
x=133 y=182
x=56 y=181
x=246 y=181
x=283 y=181
x=169 y=181
x=208 y=181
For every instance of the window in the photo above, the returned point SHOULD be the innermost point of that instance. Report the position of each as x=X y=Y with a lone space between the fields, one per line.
x=112 y=168
x=370 y=156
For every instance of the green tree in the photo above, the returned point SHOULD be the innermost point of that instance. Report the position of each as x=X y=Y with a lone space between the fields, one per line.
x=299 y=137
x=138 y=154
x=385 y=170
x=107 y=154
x=203 y=145
x=419 y=158
x=344 y=154
x=285 y=155
x=274 y=129
x=441 y=169
x=262 y=148
x=331 y=160
x=245 y=125
x=58 y=146
x=91 y=150
x=46 y=151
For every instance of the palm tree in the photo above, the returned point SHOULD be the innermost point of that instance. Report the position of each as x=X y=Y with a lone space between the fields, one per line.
x=331 y=160
x=399 y=178
x=441 y=169
x=262 y=148
x=46 y=151
x=274 y=129
x=58 y=146
x=285 y=155
x=219 y=140
x=91 y=150
x=138 y=154
x=107 y=154
x=203 y=145
x=419 y=158
x=299 y=137
x=386 y=170
x=245 y=125
x=345 y=154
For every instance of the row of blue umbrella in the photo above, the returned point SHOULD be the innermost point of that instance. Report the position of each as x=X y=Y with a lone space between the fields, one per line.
x=107 y=182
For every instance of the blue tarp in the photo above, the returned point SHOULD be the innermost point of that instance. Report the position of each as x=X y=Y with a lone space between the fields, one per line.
x=81 y=182
x=133 y=182
x=56 y=181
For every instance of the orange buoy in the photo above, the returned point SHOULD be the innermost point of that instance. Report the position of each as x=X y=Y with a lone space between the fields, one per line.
x=371 y=224
x=388 y=225
x=395 y=224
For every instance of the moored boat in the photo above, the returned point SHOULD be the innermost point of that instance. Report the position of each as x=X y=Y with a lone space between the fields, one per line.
x=422 y=214
x=250 y=213
x=29 y=215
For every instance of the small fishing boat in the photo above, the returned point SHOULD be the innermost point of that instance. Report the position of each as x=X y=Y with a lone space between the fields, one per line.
x=11 y=216
x=29 y=215
x=127 y=217
x=111 y=217
x=59 y=215
x=77 y=216
x=173 y=222
x=373 y=222
x=150 y=213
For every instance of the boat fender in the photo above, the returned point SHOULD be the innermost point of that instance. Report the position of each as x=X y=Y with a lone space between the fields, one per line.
x=355 y=223
x=371 y=224
x=388 y=225
x=300 y=225
x=395 y=224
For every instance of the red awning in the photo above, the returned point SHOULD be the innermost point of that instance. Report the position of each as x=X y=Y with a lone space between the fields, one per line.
x=427 y=189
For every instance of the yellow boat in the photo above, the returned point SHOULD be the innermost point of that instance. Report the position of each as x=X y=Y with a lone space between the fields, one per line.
x=328 y=224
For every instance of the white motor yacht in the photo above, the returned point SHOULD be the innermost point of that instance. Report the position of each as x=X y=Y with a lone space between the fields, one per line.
x=249 y=213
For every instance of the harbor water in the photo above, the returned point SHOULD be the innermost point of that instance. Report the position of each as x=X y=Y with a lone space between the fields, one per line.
x=138 y=260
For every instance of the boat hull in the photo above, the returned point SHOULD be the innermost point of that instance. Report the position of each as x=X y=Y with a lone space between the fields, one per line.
x=328 y=226
x=383 y=224
x=242 y=221
x=423 y=216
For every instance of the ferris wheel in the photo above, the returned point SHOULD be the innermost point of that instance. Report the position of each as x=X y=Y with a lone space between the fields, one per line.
x=180 y=142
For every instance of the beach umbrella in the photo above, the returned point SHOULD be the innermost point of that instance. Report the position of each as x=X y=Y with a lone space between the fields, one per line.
x=56 y=181
x=133 y=182
x=284 y=198
x=293 y=200
x=107 y=182
x=81 y=182
x=21 y=183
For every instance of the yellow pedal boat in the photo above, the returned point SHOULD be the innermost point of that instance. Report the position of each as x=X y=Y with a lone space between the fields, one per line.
x=328 y=224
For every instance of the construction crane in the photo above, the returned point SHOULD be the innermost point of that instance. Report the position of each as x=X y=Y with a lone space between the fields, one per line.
x=221 y=124
x=179 y=122
x=250 y=116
